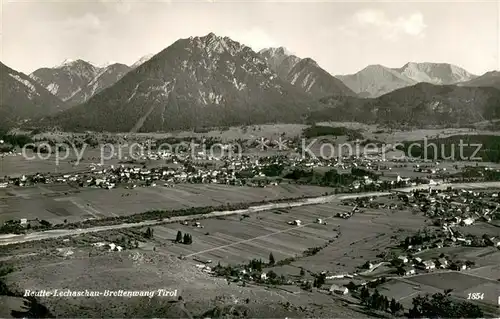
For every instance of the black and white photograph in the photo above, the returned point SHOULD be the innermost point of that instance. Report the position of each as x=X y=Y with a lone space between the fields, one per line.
x=249 y=159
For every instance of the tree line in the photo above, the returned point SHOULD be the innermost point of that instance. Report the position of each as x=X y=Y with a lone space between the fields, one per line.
x=185 y=239
x=376 y=301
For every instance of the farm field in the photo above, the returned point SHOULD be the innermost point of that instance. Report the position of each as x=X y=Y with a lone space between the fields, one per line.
x=235 y=239
x=449 y=280
x=56 y=203
x=232 y=133
x=362 y=238
x=17 y=165
x=490 y=271
x=404 y=291
x=479 y=229
x=481 y=256
x=292 y=130
x=462 y=284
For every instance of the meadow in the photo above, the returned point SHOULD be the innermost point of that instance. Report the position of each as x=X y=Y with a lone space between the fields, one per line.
x=56 y=203
x=345 y=244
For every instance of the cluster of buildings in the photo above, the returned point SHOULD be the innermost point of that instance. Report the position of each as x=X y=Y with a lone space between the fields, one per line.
x=410 y=265
x=252 y=170
x=132 y=176
x=454 y=209
x=187 y=165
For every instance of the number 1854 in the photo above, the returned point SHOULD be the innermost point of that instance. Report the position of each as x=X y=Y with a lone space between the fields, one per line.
x=475 y=296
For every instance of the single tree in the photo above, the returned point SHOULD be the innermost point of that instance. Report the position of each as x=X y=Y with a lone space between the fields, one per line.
x=188 y=239
x=178 y=238
x=319 y=280
x=149 y=233
x=386 y=303
x=272 y=275
x=364 y=295
x=375 y=300
x=271 y=259
x=393 y=306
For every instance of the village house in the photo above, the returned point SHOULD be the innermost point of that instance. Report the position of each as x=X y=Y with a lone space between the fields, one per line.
x=443 y=263
x=404 y=259
x=114 y=247
x=409 y=271
x=496 y=242
x=338 y=290
x=428 y=265
x=461 y=266
x=296 y=222
x=468 y=221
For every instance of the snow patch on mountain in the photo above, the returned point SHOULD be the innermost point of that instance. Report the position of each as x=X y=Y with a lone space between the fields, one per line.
x=53 y=88
x=64 y=63
x=72 y=95
x=28 y=84
x=142 y=60
x=76 y=81
x=435 y=73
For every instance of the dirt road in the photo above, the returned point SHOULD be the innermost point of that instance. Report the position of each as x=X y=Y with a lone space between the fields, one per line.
x=10 y=239
x=13 y=239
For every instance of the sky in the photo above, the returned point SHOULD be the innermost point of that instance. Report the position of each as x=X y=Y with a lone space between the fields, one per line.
x=343 y=37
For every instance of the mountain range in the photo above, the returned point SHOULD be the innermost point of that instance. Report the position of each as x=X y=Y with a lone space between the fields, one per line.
x=75 y=82
x=491 y=79
x=142 y=60
x=198 y=81
x=22 y=97
x=377 y=80
x=421 y=105
x=215 y=81
x=304 y=74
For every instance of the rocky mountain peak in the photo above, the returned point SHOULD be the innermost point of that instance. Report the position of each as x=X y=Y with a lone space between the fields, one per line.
x=141 y=60
x=75 y=81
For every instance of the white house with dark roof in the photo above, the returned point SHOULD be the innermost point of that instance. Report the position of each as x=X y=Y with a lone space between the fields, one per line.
x=339 y=290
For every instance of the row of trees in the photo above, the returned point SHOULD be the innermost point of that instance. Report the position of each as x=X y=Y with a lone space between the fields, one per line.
x=148 y=234
x=161 y=214
x=449 y=147
x=185 y=239
x=333 y=178
x=440 y=305
x=418 y=239
x=377 y=301
x=14 y=140
x=127 y=243
x=15 y=227
x=319 y=280
x=320 y=130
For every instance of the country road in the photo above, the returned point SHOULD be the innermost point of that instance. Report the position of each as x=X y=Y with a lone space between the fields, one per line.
x=469 y=186
x=10 y=239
